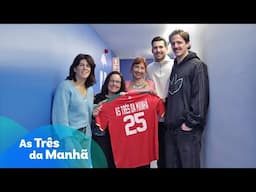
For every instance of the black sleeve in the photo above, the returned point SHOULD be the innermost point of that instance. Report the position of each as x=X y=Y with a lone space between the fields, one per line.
x=98 y=98
x=199 y=98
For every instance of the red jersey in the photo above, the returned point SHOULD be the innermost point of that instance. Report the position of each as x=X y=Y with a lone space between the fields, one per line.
x=132 y=120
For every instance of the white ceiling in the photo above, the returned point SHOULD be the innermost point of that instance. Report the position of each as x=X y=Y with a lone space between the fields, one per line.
x=131 y=40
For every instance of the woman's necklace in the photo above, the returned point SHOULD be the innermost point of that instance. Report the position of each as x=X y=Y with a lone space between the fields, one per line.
x=138 y=86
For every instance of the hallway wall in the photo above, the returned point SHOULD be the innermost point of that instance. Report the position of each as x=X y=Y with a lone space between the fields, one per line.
x=35 y=58
x=229 y=140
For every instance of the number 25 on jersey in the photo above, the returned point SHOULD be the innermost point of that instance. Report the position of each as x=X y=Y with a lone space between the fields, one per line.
x=136 y=118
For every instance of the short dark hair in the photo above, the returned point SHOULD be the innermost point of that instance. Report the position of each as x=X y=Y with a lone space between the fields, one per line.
x=159 y=38
x=91 y=80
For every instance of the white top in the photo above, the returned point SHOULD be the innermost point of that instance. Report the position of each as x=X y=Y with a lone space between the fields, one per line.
x=160 y=73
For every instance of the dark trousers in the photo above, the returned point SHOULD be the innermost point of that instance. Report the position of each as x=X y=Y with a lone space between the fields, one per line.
x=105 y=144
x=161 y=139
x=183 y=148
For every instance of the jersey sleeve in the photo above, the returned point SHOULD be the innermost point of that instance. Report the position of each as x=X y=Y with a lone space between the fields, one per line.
x=160 y=108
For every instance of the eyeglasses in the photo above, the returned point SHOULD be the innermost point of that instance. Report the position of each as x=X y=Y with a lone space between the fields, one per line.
x=115 y=81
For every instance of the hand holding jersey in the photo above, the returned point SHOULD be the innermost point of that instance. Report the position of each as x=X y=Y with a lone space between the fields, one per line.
x=132 y=120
